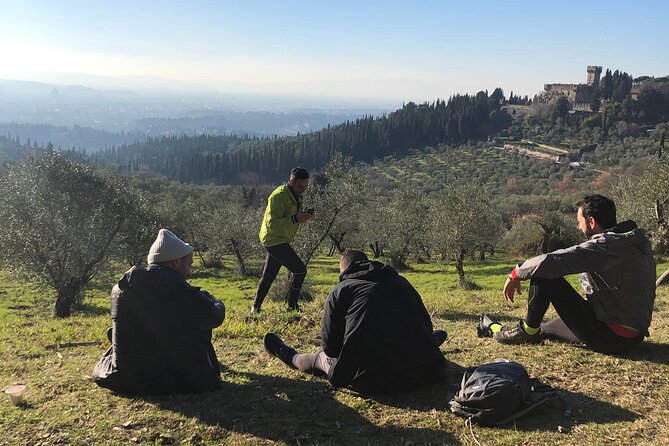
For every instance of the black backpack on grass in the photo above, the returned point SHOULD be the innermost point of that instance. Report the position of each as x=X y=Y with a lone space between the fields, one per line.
x=497 y=393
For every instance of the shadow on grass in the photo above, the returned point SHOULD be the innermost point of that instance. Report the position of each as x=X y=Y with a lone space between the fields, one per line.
x=646 y=351
x=473 y=268
x=289 y=410
x=459 y=316
x=90 y=309
x=582 y=408
x=649 y=351
x=432 y=397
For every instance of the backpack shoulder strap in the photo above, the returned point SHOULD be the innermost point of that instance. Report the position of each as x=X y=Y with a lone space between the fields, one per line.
x=540 y=394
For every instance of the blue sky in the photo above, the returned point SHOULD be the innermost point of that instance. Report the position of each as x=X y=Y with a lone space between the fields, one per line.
x=417 y=50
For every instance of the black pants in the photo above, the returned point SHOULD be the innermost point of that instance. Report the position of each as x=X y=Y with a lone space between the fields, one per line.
x=277 y=256
x=577 y=321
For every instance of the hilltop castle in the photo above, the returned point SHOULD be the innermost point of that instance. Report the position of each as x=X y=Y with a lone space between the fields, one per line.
x=578 y=95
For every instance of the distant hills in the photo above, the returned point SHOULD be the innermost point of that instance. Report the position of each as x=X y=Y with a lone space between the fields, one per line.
x=91 y=118
x=225 y=159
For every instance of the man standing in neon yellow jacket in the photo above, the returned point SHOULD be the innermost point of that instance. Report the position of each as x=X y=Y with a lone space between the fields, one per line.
x=283 y=214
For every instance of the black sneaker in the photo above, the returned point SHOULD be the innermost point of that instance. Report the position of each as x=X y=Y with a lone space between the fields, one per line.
x=275 y=347
x=440 y=336
x=254 y=310
x=294 y=308
x=517 y=335
x=483 y=328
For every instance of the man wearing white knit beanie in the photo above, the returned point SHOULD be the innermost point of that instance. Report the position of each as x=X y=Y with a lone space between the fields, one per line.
x=170 y=250
x=161 y=338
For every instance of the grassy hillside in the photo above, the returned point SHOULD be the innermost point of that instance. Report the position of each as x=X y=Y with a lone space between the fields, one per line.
x=609 y=400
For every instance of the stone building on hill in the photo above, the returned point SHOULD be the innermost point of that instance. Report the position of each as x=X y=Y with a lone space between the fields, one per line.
x=578 y=95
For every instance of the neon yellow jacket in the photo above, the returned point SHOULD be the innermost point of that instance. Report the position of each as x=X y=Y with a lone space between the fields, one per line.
x=279 y=224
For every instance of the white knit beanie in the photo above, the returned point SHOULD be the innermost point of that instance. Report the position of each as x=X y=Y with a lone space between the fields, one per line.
x=167 y=247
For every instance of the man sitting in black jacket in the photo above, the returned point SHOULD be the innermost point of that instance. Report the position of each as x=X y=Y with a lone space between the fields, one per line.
x=161 y=335
x=376 y=334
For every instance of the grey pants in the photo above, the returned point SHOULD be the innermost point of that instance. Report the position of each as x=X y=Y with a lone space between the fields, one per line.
x=318 y=364
x=278 y=256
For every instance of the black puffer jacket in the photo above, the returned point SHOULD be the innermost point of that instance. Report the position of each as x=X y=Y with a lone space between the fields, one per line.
x=375 y=323
x=161 y=341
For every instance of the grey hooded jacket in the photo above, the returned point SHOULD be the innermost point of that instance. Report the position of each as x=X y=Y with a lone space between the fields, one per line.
x=616 y=269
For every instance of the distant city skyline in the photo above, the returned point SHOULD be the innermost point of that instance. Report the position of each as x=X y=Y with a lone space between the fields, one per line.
x=376 y=50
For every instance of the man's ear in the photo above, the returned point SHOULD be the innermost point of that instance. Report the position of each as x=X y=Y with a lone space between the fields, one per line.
x=592 y=223
x=291 y=181
x=175 y=264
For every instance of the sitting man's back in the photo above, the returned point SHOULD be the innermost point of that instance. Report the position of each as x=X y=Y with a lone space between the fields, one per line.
x=161 y=336
x=376 y=334
x=375 y=323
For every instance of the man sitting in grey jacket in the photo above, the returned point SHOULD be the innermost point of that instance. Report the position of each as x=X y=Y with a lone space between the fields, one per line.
x=617 y=271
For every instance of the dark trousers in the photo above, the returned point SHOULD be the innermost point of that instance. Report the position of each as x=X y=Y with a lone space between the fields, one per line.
x=577 y=321
x=277 y=256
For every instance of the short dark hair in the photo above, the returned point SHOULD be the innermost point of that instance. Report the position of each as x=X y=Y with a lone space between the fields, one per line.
x=299 y=173
x=599 y=207
x=351 y=256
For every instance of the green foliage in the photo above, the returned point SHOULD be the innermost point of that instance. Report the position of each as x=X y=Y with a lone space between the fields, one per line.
x=342 y=190
x=462 y=221
x=217 y=221
x=559 y=108
x=644 y=199
x=524 y=239
x=403 y=228
x=62 y=221
x=542 y=232
x=498 y=172
x=228 y=159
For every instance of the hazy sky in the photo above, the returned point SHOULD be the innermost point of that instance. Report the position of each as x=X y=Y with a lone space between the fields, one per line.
x=394 y=50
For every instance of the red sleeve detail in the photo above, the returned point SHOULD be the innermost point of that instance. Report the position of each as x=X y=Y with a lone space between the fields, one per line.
x=513 y=274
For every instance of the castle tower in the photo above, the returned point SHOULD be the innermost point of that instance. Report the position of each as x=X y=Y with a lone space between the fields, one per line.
x=593 y=75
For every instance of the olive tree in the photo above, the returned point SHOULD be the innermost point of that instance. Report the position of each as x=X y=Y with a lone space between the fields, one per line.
x=463 y=220
x=368 y=233
x=238 y=231
x=61 y=221
x=645 y=199
x=403 y=227
x=341 y=189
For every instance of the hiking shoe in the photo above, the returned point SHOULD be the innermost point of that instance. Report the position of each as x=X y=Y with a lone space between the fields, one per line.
x=483 y=328
x=516 y=335
x=275 y=347
x=255 y=310
x=440 y=336
x=294 y=308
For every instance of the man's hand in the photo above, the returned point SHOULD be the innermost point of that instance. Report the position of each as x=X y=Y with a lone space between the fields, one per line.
x=303 y=217
x=511 y=287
